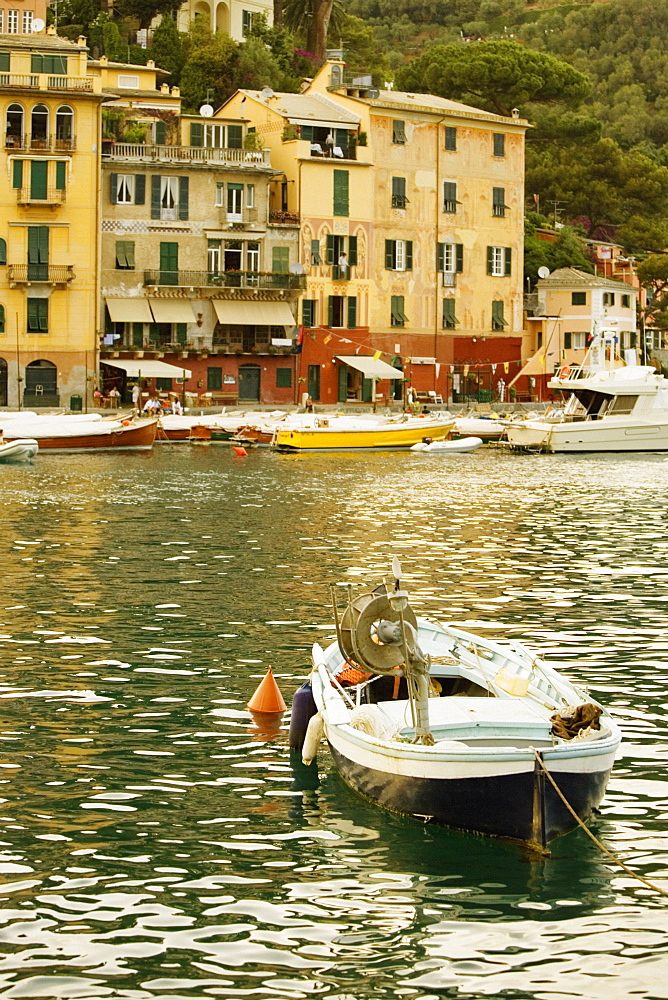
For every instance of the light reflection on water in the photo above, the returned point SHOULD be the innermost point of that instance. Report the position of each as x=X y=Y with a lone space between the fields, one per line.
x=155 y=843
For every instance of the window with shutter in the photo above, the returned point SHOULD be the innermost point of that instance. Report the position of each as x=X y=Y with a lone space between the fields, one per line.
x=399 y=132
x=159 y=133
x=197 y=133
x=499 y=144
x=341 y=200
x=450 y=197
x=214 y=379
x=38 y=315
x=3 y=251
x=60 y=175
x=169 y=263
x=308 y=312
x=38 y=179
x=156 y=184
x=125 y=255
x=352 y=312
x=449 y=318
x=567 y=341
x=498 y=321
x=280 y=260
x=397 y=315
x=235 y=136
x=2 y=319
x=183 y=197
x=352 y=250
x=38 y=253
x=499 y=202
x=399 y=199
x=17 y=173
x=578 y=298
x=315 y=252
x=283 y=378
x=450 y=138
x=329 y=248
x=137 y=334
x=140 y=189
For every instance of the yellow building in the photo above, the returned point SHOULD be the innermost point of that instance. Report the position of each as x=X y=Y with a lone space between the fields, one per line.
x=567 y=307
x=48 y=220
x=411 y=210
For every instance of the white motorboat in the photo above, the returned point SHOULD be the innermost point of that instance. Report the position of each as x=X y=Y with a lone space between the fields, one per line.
x=489 y=428
x=434 y=722
x=20 y=450
x=612 y=407
x=457 y=446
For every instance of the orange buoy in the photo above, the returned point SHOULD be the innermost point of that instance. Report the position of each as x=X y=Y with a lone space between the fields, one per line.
x=267 y=697
x=239 y=450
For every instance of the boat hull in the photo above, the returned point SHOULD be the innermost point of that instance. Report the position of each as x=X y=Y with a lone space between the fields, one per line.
x=20 y=450
x=498 y=805
x=381 y=437
x=589 y=436
x=133 y=437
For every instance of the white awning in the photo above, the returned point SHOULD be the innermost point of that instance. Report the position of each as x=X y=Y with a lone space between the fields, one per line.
x=257 y=313
x=146 y=368
x=172 y=311
x=130 y=310
x=371 y=368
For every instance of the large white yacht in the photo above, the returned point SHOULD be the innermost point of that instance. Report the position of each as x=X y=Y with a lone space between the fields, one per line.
x=613 y=407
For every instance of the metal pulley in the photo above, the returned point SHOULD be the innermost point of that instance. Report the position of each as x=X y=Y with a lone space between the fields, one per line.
x=364 y=633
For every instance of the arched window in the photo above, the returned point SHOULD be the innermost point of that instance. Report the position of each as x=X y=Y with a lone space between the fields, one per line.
x=39 y=127
x=64 y=127
x=14 y=132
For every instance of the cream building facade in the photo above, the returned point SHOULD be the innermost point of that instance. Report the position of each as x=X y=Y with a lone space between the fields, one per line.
x=49 y=220
x=234 y=17
x=411 y=210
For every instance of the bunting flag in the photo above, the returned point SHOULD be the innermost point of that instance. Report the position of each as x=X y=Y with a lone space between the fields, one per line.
x=466 y=370
x=506 y=366
x=327 y=338
x=376 y=355
x=541 y=358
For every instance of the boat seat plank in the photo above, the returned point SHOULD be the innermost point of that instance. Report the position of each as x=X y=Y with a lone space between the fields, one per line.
x=467 y=711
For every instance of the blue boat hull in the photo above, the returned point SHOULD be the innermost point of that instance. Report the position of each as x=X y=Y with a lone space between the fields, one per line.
x=518 y=806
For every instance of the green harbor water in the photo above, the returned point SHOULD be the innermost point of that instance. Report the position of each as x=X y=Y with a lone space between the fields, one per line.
x=156 y=845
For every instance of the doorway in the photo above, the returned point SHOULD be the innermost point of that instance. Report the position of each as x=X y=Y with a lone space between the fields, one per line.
x=249 y=383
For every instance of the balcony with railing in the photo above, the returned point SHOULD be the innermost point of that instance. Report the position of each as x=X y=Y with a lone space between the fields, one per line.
x=239 y=220
x=284 y=218
x=267 y=280
x=32 y=196
x=41 y=144
x=340 y=273
x=28 y=274
x=45 y=81
x=148 y=153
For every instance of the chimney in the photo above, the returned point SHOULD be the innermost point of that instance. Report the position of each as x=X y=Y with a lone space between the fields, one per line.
x=82 y=40
x=151 y=64
x=50 y=30
x=164 y=89
x=176 y=91
x=103 y=60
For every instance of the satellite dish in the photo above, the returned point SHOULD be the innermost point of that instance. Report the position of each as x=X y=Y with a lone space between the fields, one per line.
x=37 y=24
x=266 y=93
x=543 y=272
x=206 y=111
x=297 y=268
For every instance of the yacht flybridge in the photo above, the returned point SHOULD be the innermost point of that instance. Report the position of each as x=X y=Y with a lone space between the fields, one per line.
x=612 y=407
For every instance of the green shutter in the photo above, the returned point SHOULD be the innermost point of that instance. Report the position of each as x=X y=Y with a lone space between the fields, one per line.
x=140 y=189
x=36 y=62
x=459 y=257
x=33 y=245
x=450 y=138
x=183 y=197
x=33 y=323
x=153 y=333
x=329 y=249
x=567 y=341
x=155 y=196
x=4 y=62
x=160 y=133
x=341 y=200
x=398 y=131
x=2 y=319
x=181 y=333
x=449 y=196
x=113 y=188
x=137 y=334
x=307 y=132
x=367 y=390
x=315 y=252
x=214 y=379
x=17 y=173
x=389 y=255
x=38 y=179
x=440 y=257
x=129 y=254
x=283 y=378
x=235 y=136
x=490 y=260
x=352 y=250
x=449 y=318
x=499 y=144
x=409 y=255
x=308 y=312
x=43 y=243
x=169 y=263
x=330 y=310
x=352 y=312
x=507 y=264
x=60 y=175
x=280 y=260
x=3 y=251
x=197 y=133
x=343 y=383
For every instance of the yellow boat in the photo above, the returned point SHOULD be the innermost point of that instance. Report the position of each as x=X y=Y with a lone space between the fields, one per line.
x=342 y=433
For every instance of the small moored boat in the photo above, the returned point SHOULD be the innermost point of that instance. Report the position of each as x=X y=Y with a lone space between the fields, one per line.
x=368 y=433
x=457 y=446
x=20 y=450
x=73 y=434
x=434 y=722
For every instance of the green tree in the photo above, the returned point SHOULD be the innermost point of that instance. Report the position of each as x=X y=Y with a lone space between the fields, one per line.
x=211 y=67
x=653 y=275
x=495 y=75
x=638 y=235
x=167 y=48
x=145 y=10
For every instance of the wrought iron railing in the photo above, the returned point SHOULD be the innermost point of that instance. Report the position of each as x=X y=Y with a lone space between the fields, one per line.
x=226 y=279
x=284 y=218
x=57 y=274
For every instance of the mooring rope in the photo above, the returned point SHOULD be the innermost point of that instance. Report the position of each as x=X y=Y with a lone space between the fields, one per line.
x=598 y=843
